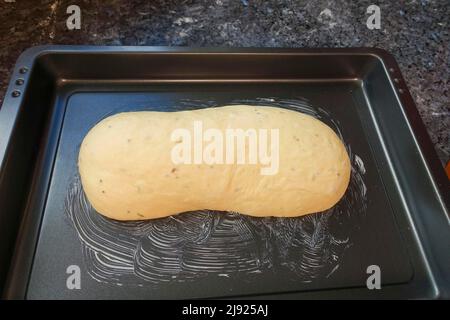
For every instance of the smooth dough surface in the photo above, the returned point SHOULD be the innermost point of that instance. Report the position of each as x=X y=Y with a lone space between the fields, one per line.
x=127 y=172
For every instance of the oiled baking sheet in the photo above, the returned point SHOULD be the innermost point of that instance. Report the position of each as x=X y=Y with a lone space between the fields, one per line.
x=216 y=254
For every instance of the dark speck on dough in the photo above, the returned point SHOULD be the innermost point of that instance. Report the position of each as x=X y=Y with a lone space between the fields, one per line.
x=101 y=181
x=173 y=170
x=140 y=215
x=109 y=126
x=128 y=211
x=103 y=191
x=128 y=140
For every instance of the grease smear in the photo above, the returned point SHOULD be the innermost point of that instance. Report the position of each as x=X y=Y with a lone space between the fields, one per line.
x=201 y=244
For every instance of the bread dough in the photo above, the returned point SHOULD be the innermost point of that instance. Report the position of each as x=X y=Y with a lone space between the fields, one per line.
x=128 y=173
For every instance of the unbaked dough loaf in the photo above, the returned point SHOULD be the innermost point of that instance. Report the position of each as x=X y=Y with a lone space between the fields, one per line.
x=127 y=170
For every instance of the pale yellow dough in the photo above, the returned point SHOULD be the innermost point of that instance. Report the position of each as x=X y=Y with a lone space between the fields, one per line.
x=127 y=172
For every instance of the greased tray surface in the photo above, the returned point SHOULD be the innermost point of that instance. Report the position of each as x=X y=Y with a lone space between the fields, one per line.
x=205 y=254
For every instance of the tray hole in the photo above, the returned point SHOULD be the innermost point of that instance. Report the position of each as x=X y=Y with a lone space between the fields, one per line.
x=15 y=93
x=20 y=82
x=23 y=70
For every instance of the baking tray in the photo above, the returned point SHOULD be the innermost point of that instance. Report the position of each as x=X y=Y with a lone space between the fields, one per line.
x=395 y=217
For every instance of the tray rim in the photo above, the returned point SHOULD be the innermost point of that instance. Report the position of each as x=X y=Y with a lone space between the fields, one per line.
x=10 y=108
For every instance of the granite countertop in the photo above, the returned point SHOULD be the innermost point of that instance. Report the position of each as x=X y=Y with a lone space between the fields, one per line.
x=415 y=32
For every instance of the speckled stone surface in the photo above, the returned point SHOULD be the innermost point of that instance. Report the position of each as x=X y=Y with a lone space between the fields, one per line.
x=415 y=32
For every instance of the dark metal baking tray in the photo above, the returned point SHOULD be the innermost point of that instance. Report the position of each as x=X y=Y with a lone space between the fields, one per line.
x=403 y=227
